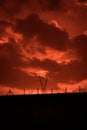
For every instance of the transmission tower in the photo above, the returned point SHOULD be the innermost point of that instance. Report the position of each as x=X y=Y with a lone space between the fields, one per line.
x=65 y=89
x=9 y=93
x=43 y=82
x=79 y=89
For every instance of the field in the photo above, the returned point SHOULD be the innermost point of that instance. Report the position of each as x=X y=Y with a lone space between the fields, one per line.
x=40 y=110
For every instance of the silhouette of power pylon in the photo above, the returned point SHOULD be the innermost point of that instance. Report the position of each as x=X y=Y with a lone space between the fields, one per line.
x=43 y=82
x=79 y=89
x=9 y=93
x=65 y=89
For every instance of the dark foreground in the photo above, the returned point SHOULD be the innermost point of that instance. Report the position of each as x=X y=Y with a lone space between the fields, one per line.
x=62 y=110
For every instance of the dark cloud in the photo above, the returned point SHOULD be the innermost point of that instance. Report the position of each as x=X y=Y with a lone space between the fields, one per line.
x=46 y=64
x=47 y=34
x=79 y=43
x=10 y=63
x=69 y=13
x=76 y=18
x=82 y=1
x=12 y=75
x=72 y=73
x=51 y=5
x=3 y=25
x=29 y=18
x=10 y=67
x=10 y=51
x=15 y=6
x=76 y=71
x=55 y=5
x=9 y=58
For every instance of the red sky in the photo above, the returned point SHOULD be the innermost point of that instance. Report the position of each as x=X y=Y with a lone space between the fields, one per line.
x=43 y=37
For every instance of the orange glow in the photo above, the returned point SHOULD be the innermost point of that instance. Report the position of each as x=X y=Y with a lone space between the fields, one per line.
x=10 y=34
x=82 y=4
x=54 y=55
x=3 y=40
x=73 y=87
x=18 y=37
x=61 y=57
x=85 y=32
x=60 y=89
x=47 y=39
x=55 y=23
x=35 y=72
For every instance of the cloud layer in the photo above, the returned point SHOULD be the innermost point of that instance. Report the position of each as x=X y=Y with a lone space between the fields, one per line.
x=31 y=42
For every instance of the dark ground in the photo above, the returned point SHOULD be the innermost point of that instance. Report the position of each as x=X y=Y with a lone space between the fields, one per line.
x=58 y=110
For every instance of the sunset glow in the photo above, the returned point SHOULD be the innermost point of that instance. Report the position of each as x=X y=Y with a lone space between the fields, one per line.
x=35 y=72
x=43 y=39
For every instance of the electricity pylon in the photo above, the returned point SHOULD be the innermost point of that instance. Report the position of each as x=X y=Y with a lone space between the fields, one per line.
x=9 y=93
x=43 y=82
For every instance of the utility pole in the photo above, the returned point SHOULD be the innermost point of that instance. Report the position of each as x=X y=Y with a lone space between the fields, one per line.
x=37 y=90
x=24 y=91
x=51 y=90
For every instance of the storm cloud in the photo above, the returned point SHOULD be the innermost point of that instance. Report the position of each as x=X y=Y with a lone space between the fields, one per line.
x=30 y=40
x=47 y=34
